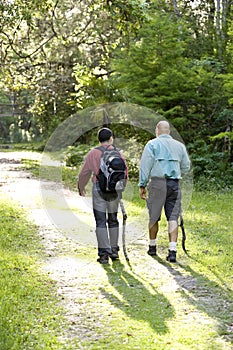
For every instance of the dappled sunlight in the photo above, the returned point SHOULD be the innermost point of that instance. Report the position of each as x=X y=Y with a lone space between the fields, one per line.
x=69 y=266
x=19 y=155
x=208 y=218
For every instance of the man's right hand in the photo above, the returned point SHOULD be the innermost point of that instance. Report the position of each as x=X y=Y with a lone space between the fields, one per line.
x=82 y=193
x=142 y=193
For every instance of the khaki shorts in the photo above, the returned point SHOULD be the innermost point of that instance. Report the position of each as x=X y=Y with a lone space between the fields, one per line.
x=164 y=193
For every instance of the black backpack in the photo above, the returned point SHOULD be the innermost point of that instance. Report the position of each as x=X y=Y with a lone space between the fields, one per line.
x=112 y=172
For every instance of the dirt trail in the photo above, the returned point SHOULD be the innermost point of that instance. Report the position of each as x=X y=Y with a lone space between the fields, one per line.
x=76 y=273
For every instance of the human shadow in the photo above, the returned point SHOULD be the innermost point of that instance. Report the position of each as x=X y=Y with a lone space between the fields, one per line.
x=138 y=299
x=205 y=295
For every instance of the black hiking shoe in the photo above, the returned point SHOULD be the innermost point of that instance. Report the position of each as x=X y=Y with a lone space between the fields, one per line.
x=114 y=255
x=152 y=250
x=103 y=259
x=171 y=256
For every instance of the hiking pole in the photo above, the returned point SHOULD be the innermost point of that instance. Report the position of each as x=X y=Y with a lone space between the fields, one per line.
x=183 y=234
x=123 y=232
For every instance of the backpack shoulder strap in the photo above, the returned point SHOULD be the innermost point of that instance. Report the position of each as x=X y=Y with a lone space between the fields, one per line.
x=103 y=149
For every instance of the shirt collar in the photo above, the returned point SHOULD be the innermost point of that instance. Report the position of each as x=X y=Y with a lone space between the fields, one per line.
x=164 y=136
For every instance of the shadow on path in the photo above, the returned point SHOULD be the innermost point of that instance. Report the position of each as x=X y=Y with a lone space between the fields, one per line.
x=137 y=300
x=206 y=295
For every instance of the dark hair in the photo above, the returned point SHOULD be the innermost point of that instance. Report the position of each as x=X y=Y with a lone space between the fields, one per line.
x=104 y=134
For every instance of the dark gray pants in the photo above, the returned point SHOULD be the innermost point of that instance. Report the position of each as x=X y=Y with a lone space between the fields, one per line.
x=105 y=211
x=164 y=193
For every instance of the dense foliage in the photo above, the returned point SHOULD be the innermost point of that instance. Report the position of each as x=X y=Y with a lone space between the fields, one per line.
x=174 y=57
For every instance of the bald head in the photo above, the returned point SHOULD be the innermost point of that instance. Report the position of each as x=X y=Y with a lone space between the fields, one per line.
x=162 y=127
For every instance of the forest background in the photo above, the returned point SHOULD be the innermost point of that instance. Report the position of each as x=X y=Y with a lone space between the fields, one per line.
x=173 y=57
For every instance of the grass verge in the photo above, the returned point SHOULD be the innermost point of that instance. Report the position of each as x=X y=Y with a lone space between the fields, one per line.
x=30 y=316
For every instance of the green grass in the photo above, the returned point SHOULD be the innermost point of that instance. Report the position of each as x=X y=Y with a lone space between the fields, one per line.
x=27 y=146
x=30 y=316
x=210 y=221
x=68 y=175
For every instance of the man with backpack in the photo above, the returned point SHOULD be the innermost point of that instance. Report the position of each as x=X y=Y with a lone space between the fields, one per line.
x=108 y=169
x=163 y=161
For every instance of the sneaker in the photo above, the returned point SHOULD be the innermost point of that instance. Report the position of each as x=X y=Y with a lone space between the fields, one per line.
x=103 y=259
x=171 y=256
x=152 y=250
x=114 y=254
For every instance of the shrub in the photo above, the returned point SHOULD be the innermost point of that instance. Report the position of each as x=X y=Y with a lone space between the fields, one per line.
x=210 y=169
x=75 y=155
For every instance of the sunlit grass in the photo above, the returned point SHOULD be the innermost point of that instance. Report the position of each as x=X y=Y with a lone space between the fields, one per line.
x=209 y=221
x=30 y=316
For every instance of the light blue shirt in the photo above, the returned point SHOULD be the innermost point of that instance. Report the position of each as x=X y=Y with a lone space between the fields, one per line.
x=163 y=157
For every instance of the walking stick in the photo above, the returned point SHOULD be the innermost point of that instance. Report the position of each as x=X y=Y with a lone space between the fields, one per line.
x=123 y=232
x=183 y=234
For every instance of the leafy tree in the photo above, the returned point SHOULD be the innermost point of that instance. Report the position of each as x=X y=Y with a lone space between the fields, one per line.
x=42 y=46
x=56 y=50
x=158 y=75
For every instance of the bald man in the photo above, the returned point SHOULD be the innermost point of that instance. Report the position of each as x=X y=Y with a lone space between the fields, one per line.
x=163 y=162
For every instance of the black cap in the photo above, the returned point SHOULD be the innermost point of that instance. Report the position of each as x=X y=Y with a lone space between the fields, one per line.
x=104 y=134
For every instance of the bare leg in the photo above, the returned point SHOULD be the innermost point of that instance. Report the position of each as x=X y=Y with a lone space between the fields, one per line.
x=153 y=229
x=173 y=231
